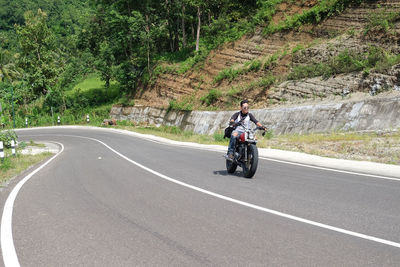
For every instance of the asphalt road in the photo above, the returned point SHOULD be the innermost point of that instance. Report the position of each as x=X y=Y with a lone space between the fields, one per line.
x=96 y=204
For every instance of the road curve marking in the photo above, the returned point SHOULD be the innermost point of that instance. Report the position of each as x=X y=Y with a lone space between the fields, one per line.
x=193 y=146
x=166 y=143
x=246 y=204
x=10 y=258
x=332 y=170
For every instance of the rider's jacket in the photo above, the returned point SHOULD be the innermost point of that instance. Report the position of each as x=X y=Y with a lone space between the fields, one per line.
x=245 y=118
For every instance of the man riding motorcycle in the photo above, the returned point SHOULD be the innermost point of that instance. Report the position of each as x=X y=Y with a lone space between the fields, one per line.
x=240 y=120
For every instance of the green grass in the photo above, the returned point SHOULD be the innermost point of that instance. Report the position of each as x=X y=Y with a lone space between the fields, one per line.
x=13 y=166
x=92 y=81
x=92 y=91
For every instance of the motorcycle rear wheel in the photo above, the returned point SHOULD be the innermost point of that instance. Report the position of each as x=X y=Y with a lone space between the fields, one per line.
x=250 y=167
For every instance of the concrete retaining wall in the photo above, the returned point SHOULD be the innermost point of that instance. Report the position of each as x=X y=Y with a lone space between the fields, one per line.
x=372 y=114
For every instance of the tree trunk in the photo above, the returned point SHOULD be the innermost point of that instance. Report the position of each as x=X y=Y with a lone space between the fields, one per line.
x=148 y=42
x=170 y=35
x=177 y=35
x=183 y=27
x=198 y=28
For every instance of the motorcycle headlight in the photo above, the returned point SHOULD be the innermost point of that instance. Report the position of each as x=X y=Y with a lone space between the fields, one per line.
x=251 y=136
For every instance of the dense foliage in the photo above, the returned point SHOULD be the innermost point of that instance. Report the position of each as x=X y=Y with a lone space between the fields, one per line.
x=49 y=46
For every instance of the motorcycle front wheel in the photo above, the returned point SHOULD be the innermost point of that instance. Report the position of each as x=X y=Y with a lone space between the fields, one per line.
x=250 y=166
x=230 y=166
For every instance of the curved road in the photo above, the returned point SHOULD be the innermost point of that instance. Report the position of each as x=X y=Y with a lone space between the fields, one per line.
x=112 y=199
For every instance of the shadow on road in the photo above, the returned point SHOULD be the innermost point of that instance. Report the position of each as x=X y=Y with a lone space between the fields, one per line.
x=225 y=173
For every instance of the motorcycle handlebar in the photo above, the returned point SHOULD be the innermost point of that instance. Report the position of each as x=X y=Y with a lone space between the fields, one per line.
x=233 y=124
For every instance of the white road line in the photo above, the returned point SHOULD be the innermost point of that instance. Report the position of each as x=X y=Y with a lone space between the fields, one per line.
x=332 y=170
x=10 y=258
x=246 y=204
x=249 y=205
x=270 y=159
x=173 y=143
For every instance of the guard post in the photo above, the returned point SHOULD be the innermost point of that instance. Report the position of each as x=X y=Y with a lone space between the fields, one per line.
x=13 y=148
x=1 y=151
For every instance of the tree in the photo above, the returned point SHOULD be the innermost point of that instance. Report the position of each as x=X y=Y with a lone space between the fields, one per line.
x=105 y=61
x=39 y=59
x=8 y=70
x=198 y=28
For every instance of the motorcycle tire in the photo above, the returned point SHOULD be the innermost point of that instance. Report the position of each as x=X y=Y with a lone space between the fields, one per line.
x=250 y=168
x=231 y=166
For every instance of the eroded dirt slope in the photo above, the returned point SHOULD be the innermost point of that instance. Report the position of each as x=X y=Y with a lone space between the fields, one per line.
x=316 y=44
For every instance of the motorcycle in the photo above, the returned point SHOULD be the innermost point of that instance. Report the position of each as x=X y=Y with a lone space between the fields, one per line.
x=246 y=153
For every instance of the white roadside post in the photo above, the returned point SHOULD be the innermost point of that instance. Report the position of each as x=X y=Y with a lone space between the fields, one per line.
x=1 y=151
x=58 y=120
x=26 y=122
x=13 y=147
x=87 y=118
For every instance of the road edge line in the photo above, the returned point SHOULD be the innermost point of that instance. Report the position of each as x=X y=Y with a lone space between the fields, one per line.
x=253 y=206
x=7 y=243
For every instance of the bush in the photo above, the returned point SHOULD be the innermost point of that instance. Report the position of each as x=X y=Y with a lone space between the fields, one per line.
x=184 y=105
x=346 y=62
x=253 y=65
x=307 y=71
x=381 y=20
x=7 y=136
x=324 y=9
x=6 y=164
x=212 y=97
x=266 y=82
x=218 y=137
x=268 y=134
x=231 y=73
x=298 y=47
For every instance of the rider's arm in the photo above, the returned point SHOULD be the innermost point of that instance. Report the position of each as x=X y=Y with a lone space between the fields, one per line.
x=253 y=119
x=233 y=118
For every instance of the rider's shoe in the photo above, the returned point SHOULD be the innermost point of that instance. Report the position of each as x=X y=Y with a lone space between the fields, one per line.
x=229 y=156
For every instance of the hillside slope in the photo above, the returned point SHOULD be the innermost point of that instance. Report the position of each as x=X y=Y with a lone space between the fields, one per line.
x=356 y=48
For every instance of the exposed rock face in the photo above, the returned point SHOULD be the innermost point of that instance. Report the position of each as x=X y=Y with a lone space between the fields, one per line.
x=340 y=85
x=372 y=114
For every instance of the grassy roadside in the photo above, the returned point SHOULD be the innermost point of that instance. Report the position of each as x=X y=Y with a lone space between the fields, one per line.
x=375 y=147
x=13 y=166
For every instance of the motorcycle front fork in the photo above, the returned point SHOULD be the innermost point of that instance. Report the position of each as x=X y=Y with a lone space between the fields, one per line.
x=242 y=151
